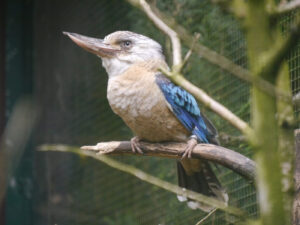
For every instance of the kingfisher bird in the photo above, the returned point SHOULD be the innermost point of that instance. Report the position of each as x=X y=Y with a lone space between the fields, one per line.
x=154 y=108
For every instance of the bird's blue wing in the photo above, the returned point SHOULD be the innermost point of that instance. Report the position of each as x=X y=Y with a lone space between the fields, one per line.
x=185 y=108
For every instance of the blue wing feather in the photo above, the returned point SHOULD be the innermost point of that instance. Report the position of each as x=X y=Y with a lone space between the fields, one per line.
x=184 y=107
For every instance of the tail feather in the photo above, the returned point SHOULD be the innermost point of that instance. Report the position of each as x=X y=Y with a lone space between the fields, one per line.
x=204 y=182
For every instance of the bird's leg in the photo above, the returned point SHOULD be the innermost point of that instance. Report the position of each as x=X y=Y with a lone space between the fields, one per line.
x=191 y=144
x=135 y=145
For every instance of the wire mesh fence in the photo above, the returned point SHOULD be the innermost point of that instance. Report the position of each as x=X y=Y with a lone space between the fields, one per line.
x=71 y=91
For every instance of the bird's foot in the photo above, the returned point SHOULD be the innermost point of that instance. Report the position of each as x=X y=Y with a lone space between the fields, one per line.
x=191 y=144
x=135 y=145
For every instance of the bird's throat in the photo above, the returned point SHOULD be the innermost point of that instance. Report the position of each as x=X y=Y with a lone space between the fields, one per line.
x=114 y=66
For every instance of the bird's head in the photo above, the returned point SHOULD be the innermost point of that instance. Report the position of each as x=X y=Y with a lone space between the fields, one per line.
x=120 y=50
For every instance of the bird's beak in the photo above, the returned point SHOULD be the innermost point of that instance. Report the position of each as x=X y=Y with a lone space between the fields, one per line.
x=93 y=45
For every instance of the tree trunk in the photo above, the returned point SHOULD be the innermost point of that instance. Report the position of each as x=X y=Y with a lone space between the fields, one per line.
x=261 y=34
x=296 y=206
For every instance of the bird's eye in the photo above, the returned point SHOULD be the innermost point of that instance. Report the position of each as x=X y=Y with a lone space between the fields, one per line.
x=126 y=44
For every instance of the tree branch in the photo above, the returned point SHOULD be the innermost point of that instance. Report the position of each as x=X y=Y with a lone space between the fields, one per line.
x=148 y=178
x=217 y=154
x=274 y=59
x=287 y=7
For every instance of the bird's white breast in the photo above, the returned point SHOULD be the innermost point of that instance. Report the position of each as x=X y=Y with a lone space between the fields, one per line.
x=133 y=98
x=139 y=102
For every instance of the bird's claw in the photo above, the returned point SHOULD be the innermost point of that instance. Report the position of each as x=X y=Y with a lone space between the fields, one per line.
x=191 y=144
x=135 y=145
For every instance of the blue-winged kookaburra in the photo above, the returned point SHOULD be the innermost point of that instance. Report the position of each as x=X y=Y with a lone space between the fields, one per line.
x=154 y=108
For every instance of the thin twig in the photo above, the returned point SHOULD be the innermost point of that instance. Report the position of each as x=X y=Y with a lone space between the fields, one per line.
x=207 y=216
x=148 y=178
x=189 y=53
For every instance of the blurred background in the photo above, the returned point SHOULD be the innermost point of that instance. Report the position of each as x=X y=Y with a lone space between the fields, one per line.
x=48 y=80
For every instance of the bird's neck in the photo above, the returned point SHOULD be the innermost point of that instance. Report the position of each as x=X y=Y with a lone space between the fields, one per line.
x=115 y=67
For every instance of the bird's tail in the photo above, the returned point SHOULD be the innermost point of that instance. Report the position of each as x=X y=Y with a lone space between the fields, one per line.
x=204 y=182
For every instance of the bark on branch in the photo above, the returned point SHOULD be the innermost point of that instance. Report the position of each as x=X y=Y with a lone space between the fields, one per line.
x=217 y=154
